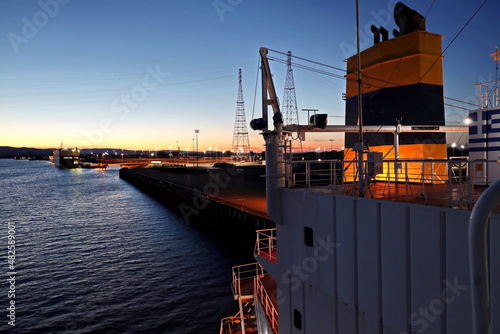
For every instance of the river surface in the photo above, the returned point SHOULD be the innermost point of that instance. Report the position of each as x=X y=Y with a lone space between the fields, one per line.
x=95 y=255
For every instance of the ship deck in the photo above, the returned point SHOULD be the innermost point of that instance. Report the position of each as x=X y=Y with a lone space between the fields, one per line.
x=450 y=195
x=245 y=189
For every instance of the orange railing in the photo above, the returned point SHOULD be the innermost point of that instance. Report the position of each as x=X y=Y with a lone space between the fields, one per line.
x=230 y=325
x=267 y=304
x=265 y=244
x=245 y=273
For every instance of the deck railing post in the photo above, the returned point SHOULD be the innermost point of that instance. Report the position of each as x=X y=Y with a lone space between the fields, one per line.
x=450 y=184
x=308 y=174
x=407 y=180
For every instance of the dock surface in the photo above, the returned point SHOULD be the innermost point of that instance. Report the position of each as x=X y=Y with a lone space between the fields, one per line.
x=241 y=188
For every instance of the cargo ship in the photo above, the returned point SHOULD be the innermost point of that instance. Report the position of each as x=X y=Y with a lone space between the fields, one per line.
x=397 y=237
x=66 y=158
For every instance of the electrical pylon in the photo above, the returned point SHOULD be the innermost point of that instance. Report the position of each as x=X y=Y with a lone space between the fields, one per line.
x=240 y=135
x=289 y=100
x=290 y=110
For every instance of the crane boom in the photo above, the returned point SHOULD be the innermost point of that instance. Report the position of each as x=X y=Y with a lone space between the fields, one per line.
x=269 y=97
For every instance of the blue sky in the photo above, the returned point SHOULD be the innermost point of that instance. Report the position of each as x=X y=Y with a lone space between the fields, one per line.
x=145 y=74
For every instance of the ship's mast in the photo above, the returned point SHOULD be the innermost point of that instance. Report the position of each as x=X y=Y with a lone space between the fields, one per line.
x=360 y=147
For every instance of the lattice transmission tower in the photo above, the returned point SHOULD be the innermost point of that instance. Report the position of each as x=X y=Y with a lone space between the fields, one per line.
x=290 y=112
x=240 y=134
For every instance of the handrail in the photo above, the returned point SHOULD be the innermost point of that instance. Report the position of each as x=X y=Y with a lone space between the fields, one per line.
x=456 y=183
x=244 y=272
x=267 y=304
x=478 y=254
x=225 y=324
x=265 y=244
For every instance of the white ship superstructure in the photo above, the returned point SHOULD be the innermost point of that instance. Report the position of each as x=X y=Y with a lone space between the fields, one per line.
x=66 y=158
x=484 y=134
x=375 y=243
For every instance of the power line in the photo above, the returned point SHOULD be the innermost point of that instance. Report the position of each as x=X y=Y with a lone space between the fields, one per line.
x=451 y=105
x=428 y=10
x=409 y=42
x=305 y=67
x=311 y=61
x=453 y=40
x=472 y=104
x=337 y=76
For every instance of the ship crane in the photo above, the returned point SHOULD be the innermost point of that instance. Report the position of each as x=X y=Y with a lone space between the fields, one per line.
x=274 y=140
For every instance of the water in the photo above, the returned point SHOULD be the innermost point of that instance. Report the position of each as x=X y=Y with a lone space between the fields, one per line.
x=95 y=255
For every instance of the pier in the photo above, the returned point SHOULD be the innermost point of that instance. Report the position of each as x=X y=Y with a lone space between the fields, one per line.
x=229 y=203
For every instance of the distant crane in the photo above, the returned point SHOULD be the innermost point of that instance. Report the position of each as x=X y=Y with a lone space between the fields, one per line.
x=240 y=135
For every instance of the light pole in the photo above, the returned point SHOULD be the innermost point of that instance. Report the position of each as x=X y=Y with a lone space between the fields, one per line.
x=331 y=144
x=453 y=145
x=197 y=131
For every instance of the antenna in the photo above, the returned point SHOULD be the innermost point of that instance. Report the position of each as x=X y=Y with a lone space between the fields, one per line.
x=360 y=147
x=496 y=58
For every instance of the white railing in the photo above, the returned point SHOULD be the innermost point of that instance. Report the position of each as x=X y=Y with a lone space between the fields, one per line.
x=245 y=273
x=310 y=175
x=267 y=304
x=454 y=183
x=265 y=244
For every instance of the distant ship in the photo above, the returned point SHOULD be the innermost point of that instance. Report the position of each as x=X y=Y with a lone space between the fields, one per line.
x=66 y=158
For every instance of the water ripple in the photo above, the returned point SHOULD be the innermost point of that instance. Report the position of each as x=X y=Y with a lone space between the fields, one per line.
x=94 y=255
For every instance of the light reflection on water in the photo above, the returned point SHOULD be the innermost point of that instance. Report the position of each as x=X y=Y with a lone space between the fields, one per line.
x=96 y=255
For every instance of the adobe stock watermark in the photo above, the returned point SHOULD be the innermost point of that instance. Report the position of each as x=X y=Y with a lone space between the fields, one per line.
x=419 y=320
x=31 y=26
x=297 y=273
x=218 y=181
x=121 y=107
x=223 y=6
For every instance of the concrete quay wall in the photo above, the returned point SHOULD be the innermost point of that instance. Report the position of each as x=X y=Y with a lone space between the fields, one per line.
x=218 y=216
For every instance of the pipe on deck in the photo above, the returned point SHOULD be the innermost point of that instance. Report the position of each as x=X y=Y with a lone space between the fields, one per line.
x=478 y=255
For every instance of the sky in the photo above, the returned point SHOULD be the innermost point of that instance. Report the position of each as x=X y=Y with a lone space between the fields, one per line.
x=145 y=74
